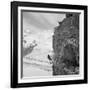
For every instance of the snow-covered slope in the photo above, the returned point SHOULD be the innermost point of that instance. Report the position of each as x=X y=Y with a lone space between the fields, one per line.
x=36 y=63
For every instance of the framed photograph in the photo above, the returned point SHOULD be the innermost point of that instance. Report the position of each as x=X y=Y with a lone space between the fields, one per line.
x=48 y=44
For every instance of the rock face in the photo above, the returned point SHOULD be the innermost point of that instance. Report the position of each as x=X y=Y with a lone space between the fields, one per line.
x=66 y=46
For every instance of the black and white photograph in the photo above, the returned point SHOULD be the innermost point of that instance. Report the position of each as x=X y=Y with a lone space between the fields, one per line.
x=50 y=44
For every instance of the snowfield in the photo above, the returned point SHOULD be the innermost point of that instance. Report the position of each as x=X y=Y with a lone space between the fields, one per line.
x=36 y=63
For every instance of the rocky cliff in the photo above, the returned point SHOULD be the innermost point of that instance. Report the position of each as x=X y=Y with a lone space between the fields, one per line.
x=66 y=46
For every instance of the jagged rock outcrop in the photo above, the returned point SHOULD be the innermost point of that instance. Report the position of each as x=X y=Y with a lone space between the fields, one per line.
x=66 y=46
x=29 y=49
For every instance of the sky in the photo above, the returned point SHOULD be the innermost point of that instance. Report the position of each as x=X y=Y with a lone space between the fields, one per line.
x=37 y=21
